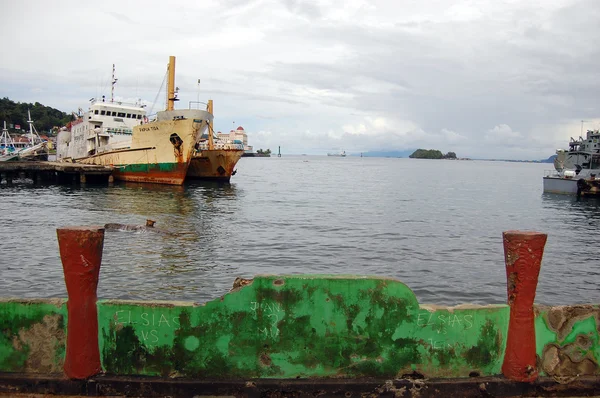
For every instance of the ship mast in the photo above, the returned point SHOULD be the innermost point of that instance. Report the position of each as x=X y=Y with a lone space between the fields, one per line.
x=33 y=134
x=171 y=89
x=30 y=127
x=6 y=140
x=211 y=130
x=114 y=81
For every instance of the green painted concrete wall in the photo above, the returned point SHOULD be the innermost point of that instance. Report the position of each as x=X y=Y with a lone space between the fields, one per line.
x=32 y=335
x=300 y=326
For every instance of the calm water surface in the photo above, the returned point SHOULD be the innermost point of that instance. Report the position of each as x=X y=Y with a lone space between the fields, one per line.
x=435 y=225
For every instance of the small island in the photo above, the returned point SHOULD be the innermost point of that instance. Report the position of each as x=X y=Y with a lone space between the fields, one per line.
x=263 y=154
x=431 y=154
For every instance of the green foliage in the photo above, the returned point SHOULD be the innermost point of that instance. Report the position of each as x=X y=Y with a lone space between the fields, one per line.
x=426 y=154
x=44 y=118
x=261 y=152
x=431 y=154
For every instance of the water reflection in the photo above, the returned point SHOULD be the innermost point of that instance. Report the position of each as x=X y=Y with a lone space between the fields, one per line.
x=199 y=217
x=572 y=208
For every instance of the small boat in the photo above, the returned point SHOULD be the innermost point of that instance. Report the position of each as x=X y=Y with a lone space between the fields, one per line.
x=32 y=148
x=121 y=135
x=340 y=154
x=8 y=151
x=580 y=162
x=214 y=158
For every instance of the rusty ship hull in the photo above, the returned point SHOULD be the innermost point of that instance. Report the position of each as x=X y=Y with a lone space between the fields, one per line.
x=215 y=165
x=160 y=151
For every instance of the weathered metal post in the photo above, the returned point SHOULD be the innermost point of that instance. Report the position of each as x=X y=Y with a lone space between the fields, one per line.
x=81 y=256
x=523 y=253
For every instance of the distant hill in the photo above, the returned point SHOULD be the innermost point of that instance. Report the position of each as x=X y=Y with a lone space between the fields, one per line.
x=549 y=160
x=44 y=117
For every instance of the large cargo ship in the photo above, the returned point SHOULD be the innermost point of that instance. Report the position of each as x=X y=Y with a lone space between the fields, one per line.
x=120 y=135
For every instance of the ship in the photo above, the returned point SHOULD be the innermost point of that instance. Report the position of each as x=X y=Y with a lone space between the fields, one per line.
x=340 y=154
x=140 y=149
x=30 y=147
x=577 y=170
x=214 y=158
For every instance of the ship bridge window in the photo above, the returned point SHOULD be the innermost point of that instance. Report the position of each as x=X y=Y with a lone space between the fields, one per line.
x=102 y=113
x=139 y=116
x=95 y=111
x=121 y=114
x=129 y=116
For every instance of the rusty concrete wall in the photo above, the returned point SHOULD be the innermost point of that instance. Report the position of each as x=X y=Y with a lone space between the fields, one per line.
x=568 y=340
x=32 y=335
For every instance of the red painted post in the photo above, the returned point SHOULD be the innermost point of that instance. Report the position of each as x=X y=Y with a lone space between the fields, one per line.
x=523 y=253
x=81 y=256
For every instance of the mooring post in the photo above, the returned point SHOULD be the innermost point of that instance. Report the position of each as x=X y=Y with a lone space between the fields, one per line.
x=81 y=256
x=523 y=253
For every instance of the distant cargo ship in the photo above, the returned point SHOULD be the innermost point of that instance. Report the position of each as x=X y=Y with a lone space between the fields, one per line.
x=340 y=154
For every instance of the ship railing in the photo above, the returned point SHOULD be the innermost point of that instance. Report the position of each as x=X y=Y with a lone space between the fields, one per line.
x=551 y=173
x=100 y=101
x=150 y=118
x=203 y=146
x=108 y=131
x=198 y=105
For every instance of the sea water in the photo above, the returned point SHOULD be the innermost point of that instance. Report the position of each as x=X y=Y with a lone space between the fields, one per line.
x=436 y=225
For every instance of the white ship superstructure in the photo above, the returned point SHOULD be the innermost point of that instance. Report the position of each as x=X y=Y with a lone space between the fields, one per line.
x=104 y=127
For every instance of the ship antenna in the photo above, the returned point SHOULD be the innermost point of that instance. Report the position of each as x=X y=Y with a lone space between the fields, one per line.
x=198 y=91
x=114 y=81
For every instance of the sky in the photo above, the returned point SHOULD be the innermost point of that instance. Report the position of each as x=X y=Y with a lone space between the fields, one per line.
x=487 y=79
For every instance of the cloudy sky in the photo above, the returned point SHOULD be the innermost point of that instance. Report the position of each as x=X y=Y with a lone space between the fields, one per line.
x=509 y=79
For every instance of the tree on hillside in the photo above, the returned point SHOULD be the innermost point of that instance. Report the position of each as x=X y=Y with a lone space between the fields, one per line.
x=44 y=117
x=426 y=154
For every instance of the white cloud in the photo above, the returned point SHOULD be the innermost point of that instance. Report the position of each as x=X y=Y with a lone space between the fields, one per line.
x=503 y=133
x=474 y=77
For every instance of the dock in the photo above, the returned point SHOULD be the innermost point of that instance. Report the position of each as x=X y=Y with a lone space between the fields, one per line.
x=55 y=172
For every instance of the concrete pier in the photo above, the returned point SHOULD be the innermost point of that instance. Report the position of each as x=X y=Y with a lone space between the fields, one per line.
x=299 y=335
x=54 y=172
